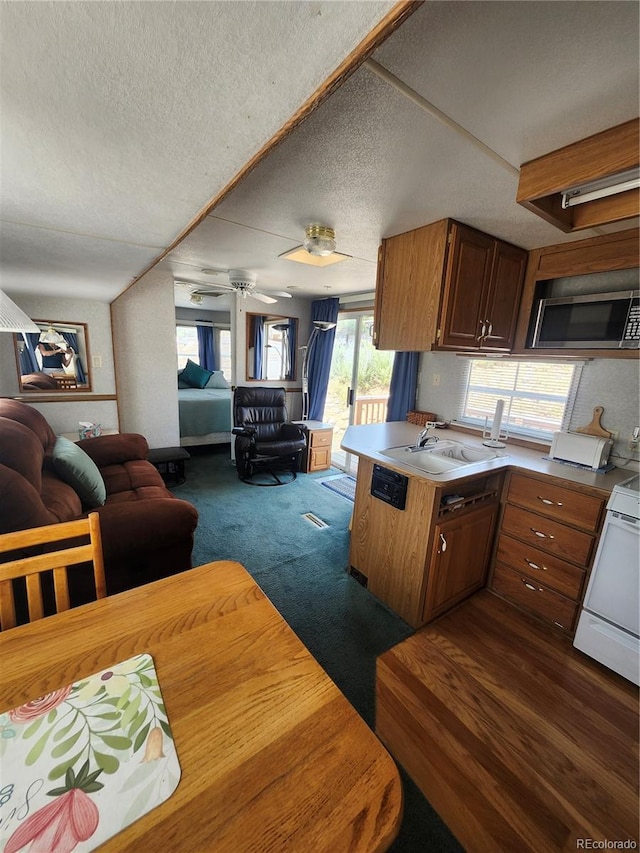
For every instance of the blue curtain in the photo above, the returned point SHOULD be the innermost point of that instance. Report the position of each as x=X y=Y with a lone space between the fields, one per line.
x=206 y=350
x=404 y=380
x=72 y=339
x=320 y=356
x=258 y=345
x=291 y=349
x=28 y=360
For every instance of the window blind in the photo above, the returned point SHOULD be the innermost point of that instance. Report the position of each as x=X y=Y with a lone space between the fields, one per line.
x=538 y=396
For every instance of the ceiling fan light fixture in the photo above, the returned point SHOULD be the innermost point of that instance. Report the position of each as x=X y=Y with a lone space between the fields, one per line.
x=242 y=281
x=319 y=240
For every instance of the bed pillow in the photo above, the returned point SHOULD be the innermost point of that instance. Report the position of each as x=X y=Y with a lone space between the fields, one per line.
x=217 y=380
x=181 y=383
x=194 y=375
x=79 y=471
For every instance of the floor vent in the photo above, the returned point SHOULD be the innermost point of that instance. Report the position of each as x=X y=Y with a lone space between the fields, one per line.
x=314 y=519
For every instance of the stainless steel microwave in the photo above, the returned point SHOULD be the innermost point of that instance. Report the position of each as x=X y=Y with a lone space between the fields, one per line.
x=595 y=321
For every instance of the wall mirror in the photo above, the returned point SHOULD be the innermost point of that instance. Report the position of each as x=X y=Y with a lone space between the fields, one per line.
x=54 y=359
x=271 y=347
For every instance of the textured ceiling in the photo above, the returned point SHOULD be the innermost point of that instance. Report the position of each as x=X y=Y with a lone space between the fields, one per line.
x=120 y=121
x=147 y=109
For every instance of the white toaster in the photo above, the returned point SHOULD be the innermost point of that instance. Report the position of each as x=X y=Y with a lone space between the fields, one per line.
x=587 y=450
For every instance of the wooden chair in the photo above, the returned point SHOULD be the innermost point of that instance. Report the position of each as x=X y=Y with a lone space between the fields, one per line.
x=31 y=568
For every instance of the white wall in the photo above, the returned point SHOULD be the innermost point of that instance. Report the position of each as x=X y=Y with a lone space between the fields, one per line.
x=608 y=382
x=144 y=338
x=63 y=416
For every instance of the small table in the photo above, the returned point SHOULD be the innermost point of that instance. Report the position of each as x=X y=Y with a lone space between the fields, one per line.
x=273 y=756
x=170 y=462
x=74 y=436
x=319 y=435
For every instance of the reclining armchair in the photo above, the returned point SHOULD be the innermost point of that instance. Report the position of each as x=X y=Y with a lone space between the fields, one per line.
x=265 y=440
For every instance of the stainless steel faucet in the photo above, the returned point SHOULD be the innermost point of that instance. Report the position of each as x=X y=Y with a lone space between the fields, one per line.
x=424 y=436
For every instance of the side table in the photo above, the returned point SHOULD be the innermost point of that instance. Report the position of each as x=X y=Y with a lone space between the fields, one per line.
x=73 y=436
x=317 y=456
x=170 y=463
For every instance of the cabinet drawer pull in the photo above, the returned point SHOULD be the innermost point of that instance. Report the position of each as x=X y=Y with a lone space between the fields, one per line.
x=548 y=502
x=534 y=565
x=540 y=534
x=531 y=586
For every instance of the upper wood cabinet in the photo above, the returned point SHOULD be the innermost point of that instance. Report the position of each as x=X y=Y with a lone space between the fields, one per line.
x=606 y=253
x=447 y=286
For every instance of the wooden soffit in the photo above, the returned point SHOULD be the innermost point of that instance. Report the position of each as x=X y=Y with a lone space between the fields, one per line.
x=610 y=152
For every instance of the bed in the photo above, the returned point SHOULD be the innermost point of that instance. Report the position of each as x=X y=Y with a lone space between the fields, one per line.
x=205 y=416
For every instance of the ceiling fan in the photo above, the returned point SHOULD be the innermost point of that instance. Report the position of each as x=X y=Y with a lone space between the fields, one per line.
x=240 y=281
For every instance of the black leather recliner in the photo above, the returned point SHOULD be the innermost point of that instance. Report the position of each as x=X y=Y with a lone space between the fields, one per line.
x=265 y=440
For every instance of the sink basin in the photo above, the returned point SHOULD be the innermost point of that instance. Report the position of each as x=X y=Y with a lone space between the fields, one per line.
x=440 y=457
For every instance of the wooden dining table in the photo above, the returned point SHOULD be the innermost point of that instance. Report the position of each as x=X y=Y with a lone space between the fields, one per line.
x=272 y=755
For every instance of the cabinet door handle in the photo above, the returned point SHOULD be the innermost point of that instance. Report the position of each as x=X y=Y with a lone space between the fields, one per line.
x=531 y=586
x=540 y=534
x=535 y=565
x=490 y=329
x=482 y=330
x=443 y=543
x=548 y=502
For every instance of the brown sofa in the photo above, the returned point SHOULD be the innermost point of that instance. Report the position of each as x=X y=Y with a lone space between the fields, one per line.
x=147 y=533
x=38 y=382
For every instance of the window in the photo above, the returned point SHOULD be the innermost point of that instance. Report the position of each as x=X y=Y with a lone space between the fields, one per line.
x=224 y=350
x=538 y=396
x=187 y=345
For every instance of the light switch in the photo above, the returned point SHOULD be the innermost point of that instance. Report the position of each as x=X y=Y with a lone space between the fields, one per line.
x=96 y=360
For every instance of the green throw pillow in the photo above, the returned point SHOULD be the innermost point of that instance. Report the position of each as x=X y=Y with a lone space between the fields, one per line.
x=194 y=375
x=79 y=470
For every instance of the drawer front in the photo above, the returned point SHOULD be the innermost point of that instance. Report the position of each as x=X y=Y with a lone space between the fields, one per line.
x=545 y=568
x=533 y=596
x=548 y=535
x=559 y=503
x=320 y=438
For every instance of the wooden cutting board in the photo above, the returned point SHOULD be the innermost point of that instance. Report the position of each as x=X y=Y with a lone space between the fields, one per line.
x=595 y=427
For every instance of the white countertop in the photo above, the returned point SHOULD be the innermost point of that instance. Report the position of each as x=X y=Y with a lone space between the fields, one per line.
x=369 y=439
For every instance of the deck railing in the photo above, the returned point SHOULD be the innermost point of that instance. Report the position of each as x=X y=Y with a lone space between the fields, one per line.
x=370 y=410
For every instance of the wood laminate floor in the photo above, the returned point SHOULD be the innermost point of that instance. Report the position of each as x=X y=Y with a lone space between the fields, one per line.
x=518 y=741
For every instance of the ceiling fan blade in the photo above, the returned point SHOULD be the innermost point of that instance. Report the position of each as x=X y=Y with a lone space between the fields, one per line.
x=214 y=290
x=262 y=298
x=282 y=293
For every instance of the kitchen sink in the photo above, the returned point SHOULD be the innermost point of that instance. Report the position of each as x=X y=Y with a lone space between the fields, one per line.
x=441 y=456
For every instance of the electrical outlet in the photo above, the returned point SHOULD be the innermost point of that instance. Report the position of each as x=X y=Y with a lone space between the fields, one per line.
x=97 y=361
x=634 y=438
x=436 y=379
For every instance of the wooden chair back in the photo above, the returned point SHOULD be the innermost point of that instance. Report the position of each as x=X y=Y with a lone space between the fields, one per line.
x=31 y=568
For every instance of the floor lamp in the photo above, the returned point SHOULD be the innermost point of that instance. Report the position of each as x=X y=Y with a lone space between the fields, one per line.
x=318 y=326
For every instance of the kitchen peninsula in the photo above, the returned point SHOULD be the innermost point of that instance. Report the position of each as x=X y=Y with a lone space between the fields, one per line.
x=434 y=548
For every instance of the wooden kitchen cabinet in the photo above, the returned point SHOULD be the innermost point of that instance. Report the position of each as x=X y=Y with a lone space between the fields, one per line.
x=447 y=286
x=606 y=253
x=395 y=553
x=460 y=555
x=546 y=544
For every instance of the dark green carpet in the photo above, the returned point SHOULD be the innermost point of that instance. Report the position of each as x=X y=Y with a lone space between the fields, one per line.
x=302 y=569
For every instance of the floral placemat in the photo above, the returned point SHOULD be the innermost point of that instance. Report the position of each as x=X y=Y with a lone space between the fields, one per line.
x=82 y=763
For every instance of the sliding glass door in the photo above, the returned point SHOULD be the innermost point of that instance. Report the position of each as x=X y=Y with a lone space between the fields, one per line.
x=359 y=381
